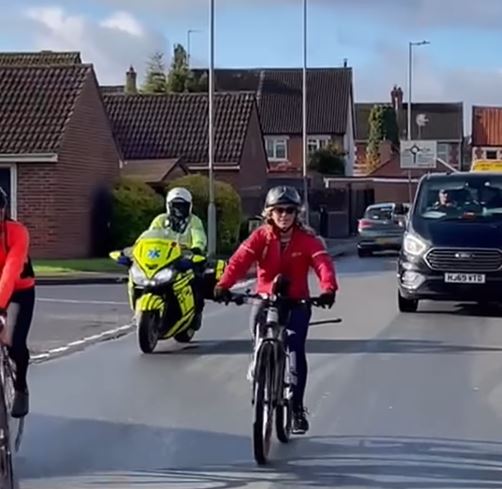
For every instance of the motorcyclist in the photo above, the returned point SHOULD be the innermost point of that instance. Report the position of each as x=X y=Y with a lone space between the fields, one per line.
x=181 y=225
x=284 y=245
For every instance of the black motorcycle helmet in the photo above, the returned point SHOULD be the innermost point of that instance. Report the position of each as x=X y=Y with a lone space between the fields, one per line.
x=283 y=195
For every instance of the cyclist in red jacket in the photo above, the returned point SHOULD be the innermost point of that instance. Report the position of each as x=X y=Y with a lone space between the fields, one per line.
x=17 y=300
x=283 y=245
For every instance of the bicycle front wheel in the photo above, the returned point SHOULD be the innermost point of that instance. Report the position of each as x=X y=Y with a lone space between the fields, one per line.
x=263 y=407
x=283 y=410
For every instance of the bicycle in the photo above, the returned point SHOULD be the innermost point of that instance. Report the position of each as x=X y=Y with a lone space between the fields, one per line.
x=7 y=422
x=273 y=371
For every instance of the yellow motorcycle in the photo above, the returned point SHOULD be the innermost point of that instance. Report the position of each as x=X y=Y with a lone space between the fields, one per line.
x=162 y=288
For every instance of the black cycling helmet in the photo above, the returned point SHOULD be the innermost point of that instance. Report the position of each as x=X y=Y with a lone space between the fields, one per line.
x=283 y=195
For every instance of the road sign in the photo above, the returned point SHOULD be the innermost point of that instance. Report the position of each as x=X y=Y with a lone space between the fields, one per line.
x=418 y=155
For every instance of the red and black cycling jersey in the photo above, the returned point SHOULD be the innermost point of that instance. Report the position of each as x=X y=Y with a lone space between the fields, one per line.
x=16 y=270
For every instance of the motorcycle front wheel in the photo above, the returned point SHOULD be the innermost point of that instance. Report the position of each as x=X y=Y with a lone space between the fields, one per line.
x=148 y=332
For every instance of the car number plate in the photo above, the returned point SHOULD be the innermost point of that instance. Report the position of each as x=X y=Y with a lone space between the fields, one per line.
x=464 y=278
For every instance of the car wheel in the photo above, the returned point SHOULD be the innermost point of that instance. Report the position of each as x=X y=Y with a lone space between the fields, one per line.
x=406 y=305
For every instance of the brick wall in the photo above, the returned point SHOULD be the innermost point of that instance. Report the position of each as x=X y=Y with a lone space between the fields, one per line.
x=88 y=160
x=36 y=198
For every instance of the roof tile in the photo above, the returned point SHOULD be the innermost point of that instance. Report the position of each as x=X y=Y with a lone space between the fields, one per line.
x=486 y=126
x=176 y=125
x=49 y=58
x=35 y=105
x=279 y=93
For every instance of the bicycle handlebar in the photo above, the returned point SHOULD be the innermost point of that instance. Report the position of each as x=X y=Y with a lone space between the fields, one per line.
x=240 y=299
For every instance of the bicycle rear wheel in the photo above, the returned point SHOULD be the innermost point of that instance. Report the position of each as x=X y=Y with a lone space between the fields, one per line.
x=263 y=407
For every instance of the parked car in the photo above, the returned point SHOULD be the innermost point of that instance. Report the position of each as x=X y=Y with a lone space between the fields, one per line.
x=382 y=228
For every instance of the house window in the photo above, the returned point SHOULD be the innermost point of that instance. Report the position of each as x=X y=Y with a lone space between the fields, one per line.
x=491 y=155
x=443 y=152
x=314 y=144
x=277 y=148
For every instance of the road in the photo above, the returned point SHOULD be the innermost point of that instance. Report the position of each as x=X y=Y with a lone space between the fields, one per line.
x=396 y=401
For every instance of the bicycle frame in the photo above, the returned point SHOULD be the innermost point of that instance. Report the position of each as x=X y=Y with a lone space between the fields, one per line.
x=272 y=330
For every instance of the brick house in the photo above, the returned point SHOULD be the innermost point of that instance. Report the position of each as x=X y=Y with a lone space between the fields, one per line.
x=442 y=122
x=152 y=129
x=58 y=156
x=486 y=133
x=330 y=113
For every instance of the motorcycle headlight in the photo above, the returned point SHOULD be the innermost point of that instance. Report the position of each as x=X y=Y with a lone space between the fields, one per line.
x=413 y=245
x=138 y=276
x=164 y=275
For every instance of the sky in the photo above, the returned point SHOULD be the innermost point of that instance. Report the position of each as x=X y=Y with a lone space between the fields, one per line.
x=462 y=63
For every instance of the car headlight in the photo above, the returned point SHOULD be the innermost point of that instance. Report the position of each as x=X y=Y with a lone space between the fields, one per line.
x=164 y=275
x=413 y=245
x=138 y=276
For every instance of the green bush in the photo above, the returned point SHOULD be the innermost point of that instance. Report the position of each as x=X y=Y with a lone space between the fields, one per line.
x=228 y=208
x=135 y=204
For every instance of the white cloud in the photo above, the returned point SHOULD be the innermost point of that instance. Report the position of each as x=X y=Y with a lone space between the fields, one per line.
x=111 y=44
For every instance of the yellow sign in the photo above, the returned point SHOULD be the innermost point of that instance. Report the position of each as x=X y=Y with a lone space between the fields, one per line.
x=486 y=165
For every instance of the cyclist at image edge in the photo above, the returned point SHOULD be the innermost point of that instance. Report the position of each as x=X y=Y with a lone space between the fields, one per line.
x=17 y=300
x=284 y=245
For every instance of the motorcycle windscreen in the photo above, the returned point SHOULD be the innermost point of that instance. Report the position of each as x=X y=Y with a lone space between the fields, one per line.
x=152 y=254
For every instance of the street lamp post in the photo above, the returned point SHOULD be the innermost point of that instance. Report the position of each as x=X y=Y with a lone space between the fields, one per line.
x=304 y=115
x=211 y=210
x=410 y=78
x=189 y=33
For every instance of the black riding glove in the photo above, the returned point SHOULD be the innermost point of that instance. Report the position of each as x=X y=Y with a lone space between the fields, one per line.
x=221 y=294
x=327 y=299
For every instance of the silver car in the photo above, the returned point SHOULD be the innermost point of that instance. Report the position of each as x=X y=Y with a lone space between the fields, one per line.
x=381 y=228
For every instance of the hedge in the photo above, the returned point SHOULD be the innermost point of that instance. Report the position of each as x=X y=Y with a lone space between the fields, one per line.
x=135 y=204
x=228 y=208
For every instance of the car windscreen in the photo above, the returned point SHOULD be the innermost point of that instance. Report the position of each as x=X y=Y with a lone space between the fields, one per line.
x=470 y=198
x=379 y=213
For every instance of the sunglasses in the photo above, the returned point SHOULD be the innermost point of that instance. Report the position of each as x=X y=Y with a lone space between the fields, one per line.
x=285 y=210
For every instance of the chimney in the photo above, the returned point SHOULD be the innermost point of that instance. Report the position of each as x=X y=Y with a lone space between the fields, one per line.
x=130 y=86
x=397 y=98
x=345 y=62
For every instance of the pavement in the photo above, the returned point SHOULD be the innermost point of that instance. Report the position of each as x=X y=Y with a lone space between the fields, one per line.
x=396 y=401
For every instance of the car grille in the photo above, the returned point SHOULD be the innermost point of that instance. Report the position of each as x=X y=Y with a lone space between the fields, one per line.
x=464 y=260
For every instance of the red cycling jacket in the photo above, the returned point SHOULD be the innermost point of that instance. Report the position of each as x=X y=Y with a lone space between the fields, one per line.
x=304 y=250
x=16 y=272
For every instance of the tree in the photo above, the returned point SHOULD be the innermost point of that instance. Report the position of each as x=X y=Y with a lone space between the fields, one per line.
x=155 y=78
x=179 y=73
x=329 y=160
x=181 y=78
x=382 y=127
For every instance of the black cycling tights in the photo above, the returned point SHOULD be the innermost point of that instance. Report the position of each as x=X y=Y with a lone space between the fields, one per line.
x=298 y=329
x=19 y=316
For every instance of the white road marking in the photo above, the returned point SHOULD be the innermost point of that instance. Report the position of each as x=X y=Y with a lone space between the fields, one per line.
x=79 y=301
x=114 y=333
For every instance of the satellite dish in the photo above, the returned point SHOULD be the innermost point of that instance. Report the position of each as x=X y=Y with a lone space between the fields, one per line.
x=421 y=120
